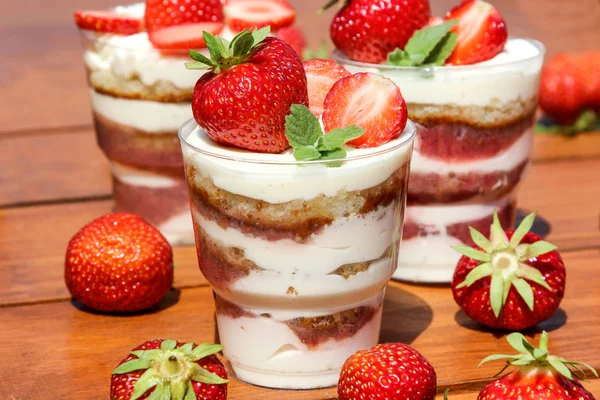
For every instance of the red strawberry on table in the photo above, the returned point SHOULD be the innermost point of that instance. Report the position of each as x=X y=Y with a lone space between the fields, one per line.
x=293 y=36
x=369 y=101
x=512 y=281
x=168 y=369
x=539 y=375
x=481 y=32
x=119 y=263
x=108 y=22
x=174 y=24
x=387 y=372
x=320 y=76
x=367 y=31
x=250 y=14
x=244 y=100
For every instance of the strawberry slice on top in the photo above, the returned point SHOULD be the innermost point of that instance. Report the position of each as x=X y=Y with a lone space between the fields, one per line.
x=248 y=14
x=173 y=25
x=369 y=101
x=481 y=32
x=108 y=22
x=321 y=75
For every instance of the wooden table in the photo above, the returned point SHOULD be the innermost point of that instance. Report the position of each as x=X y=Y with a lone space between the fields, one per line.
x=53 y=179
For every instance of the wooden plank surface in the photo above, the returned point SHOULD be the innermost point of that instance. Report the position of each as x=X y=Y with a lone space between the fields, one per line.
x=72 y=340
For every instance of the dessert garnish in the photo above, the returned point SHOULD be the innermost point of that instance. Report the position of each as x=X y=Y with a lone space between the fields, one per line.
x=538 y=374
x=304 y=133
x=320 y=76
x=108 y=22
x=387 y=371
x=570 y=90
x=370 y=101
x=431 y=45
x=365 y=32
x=253 y=14
x=168 y=369
x=118 y=263
x=254 y=81
x=481 y=32
x=512 y=281
x=180 y=25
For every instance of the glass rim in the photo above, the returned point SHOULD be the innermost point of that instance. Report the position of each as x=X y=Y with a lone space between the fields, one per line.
x=409 y=132
x=341 y=58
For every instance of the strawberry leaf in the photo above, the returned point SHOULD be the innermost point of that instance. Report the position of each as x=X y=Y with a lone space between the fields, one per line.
x=132 y=365
x=522 y=229
x=186 y=348
x=496 y=292
x=495 y=357
x=538 y=248
x=148 y=380
x=560 y=367
x=202 y=375
x=214 y=46
x=480 y=240
x=242 y=43
x=497 y=235
x=189 y=393
x=168 y=344
x=524 y=291
x=481 y=271
x=201 y=58
x=472 y=253
x=260 y=34
x=442 y=50
x=337 y=137
x=528 y=272
x=518 y=342
x=205 y=349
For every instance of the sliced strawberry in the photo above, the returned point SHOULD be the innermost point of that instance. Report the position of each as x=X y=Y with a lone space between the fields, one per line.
x=321 y=76
x=108 y=22
x=293 y=36
x=481 y=32
x=184 y=36
x=369 y=101
x=164 y=13
x=247 y=14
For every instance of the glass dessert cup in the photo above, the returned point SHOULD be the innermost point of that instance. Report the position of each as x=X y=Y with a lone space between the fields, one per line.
x=139 y=99
x=298 y=253
x=474 y=136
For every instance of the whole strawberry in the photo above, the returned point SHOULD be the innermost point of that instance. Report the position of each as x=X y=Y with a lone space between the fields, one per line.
x=119 y=263
x=512 y=281
x=168 y=369
x=538 y=376
x=365 y=30
x=391 y=371
x=244 y=100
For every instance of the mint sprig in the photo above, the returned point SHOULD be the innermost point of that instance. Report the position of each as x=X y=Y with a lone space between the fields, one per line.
x=225 y=54
x=431 y=45
x=306 y=136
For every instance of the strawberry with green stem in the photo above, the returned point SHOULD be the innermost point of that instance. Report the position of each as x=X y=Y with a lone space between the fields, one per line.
x=512 y=281
x=538 y=375
x=168 y=369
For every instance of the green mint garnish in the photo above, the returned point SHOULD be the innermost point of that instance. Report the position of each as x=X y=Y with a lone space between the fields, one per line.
x=588 y=121
x=321 y=52
x=305 y=134
x=431 y=45
x=225 y=54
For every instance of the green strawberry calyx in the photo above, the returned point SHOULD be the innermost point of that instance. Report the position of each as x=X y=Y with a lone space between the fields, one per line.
x=171 y=370
x=506 y=262
x=225 y=54
x=429 y=46
x=538 y=358
x=305 y=134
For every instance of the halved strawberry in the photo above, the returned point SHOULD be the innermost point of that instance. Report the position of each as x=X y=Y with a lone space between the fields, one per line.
x=108 y=22
x=247 y=14
x=184 y=36
x=321 y=75
x=481 y=32
x=369 y=101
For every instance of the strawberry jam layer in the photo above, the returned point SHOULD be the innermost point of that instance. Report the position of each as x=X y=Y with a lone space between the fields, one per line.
x=459 y=142
x=427 y=188
x=135 y=147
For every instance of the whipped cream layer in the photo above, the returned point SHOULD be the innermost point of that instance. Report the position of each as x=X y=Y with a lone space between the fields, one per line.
x=147 y=116
x=280 y=359
x=503 y=161
x=513 y=75
x=279 y=178
x=430 y=258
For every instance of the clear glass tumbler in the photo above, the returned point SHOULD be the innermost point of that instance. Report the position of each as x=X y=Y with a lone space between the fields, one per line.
x=298 y=253
x=474 y=137
x=139 y=98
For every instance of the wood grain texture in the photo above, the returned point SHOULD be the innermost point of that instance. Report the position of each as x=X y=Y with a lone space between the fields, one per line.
x=73 y=341
x=558 y=147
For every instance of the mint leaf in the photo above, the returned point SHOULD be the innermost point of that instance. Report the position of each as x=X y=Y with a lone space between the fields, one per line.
x=260 y=34
x=334 y=155
x=337 y=137
x=442 y=50
x=306 y=153
x=302 y=128
x=400 y=58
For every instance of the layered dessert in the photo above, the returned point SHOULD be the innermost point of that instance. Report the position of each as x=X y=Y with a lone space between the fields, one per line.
x=474 y=112
x=297 y=220
x=141 y=94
